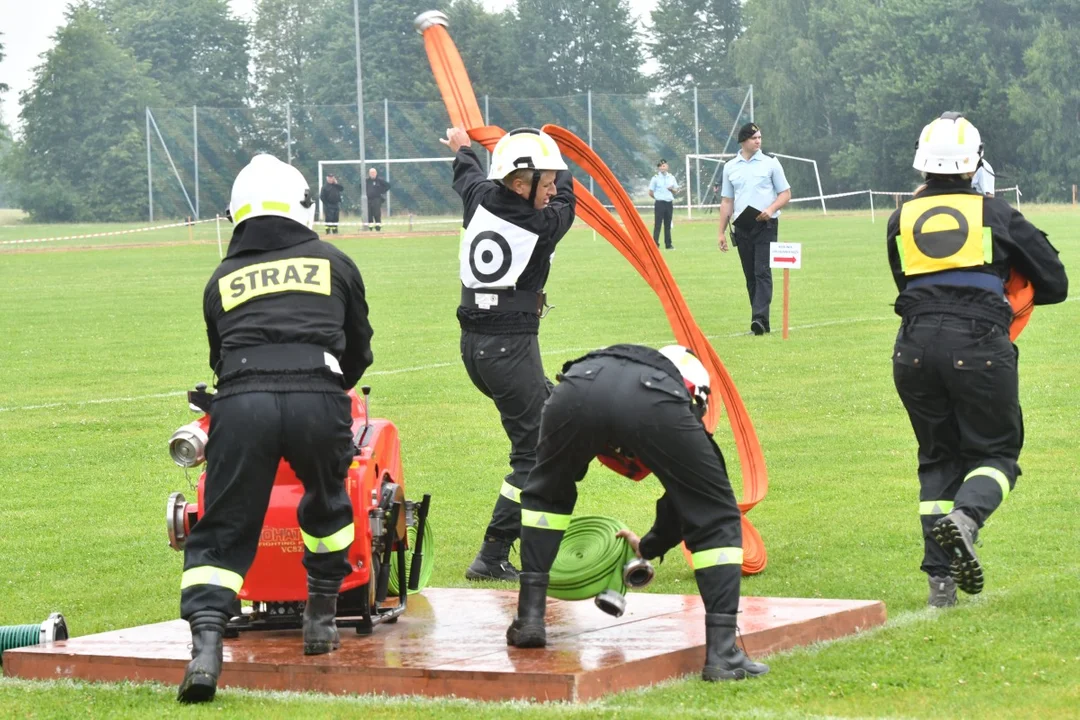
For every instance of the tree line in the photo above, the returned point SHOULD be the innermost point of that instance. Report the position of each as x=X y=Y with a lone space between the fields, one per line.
x=846 y=82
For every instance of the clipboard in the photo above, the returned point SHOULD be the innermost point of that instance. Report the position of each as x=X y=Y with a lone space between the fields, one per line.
x=747 y=220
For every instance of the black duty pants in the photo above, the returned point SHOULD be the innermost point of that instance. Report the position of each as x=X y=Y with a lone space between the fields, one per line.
x=374 y=213
x=663 y=210
x=753 y=249
x=608 y=401
x=508 y=369
x=331 y=212
x=957 y=379
x=250 y=434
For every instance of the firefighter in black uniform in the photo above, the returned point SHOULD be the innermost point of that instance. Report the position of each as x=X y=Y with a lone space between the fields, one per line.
x=637 y=408
x=954 y=366
x=330 y=195
x=288 y=329
x=514 y=216
x=376 y=193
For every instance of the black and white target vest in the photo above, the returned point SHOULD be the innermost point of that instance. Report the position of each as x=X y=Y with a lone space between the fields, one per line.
x=494 y=252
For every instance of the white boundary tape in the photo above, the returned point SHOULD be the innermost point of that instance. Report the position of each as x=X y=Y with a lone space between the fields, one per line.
x=437 y=366
x=107 y=234
x=417 y=368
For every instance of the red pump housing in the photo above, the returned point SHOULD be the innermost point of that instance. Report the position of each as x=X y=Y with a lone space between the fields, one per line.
x=276 y=583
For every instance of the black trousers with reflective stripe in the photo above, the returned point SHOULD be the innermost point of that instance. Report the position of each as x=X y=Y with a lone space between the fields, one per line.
x=958 y=381
x=609 y=401
x=753 y=250
x=249 y=434
x=508 y=369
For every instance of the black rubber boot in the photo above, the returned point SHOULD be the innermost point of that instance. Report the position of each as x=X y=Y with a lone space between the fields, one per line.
x=956 y=533
x=942 y=592
x=724 y=659
x=200 y=679
x=320 y=613
x=493 y=561
x=527 y=630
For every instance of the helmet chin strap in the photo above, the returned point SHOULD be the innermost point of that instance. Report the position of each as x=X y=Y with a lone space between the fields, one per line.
x=535 y=186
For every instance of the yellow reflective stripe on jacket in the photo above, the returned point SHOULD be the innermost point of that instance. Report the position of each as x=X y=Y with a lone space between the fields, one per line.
x=935 y=507
x=717 y=556
x=510 y=492
x=544 y=520
x=993 y=473
x=210 y=575
x=332 y=543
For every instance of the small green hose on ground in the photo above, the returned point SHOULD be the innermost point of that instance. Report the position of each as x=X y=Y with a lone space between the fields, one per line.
x=17 y=636
x=590 y=559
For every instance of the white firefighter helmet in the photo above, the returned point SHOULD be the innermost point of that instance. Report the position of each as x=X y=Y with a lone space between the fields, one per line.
x=949 y=145
x=267 y=186
x=524 y=149
x=693 y=373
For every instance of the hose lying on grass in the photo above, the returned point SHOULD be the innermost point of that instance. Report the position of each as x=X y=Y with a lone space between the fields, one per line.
x=16 y=636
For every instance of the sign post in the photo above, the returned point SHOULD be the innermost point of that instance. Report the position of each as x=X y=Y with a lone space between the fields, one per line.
x=788 y=257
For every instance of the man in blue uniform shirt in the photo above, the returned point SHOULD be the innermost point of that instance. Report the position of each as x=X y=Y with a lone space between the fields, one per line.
x=753 y=190
x=661 y=189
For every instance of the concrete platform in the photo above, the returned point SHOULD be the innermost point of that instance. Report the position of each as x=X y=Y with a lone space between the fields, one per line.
x=452 y=642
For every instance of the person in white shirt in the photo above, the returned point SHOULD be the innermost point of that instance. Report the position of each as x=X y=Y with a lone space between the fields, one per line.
x=662 y=189
x=753 y=190
x=983 y=179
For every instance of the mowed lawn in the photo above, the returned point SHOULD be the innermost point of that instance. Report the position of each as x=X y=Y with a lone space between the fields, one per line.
x=96 y=348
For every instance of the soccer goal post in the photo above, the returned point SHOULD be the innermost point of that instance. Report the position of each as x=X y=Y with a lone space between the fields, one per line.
x=421 y=189
x=706 y=171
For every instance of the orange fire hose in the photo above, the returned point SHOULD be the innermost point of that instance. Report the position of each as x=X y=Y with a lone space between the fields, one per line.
x=635 y=244
x=1021 y=296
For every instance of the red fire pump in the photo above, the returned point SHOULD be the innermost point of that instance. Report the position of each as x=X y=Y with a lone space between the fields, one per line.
x=386 y=557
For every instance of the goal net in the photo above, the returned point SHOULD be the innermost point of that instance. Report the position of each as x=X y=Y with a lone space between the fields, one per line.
x=705 y=172
x=421 y=192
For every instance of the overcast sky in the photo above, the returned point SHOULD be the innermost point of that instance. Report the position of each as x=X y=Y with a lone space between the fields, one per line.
x=26 y=34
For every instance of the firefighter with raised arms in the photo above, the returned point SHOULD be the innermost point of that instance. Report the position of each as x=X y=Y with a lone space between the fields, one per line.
x=514 y=216
x=638 y=409
x=951 y=251
x=287 y=322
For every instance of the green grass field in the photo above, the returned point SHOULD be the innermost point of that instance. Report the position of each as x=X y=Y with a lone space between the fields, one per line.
x=97 y=347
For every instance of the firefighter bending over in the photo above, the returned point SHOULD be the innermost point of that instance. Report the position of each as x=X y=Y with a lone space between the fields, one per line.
x=639 y=409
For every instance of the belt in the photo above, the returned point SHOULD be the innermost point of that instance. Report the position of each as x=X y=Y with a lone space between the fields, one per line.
x=283 y=358
x=960 y=278
x=504 y=300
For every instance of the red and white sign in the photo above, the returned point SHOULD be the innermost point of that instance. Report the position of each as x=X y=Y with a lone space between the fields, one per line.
x=785 y=255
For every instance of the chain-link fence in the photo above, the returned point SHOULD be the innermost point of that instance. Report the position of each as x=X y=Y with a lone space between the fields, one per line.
x=194 y=153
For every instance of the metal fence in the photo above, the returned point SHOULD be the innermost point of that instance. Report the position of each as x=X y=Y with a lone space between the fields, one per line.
x=194 y=153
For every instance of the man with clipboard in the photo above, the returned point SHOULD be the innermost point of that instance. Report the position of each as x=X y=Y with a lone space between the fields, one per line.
x=753 y=190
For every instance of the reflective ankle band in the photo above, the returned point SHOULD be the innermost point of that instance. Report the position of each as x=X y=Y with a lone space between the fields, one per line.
x=510 y=492
x=210 y=575
x=993 y=474
x=544 y=520
x=332 y=543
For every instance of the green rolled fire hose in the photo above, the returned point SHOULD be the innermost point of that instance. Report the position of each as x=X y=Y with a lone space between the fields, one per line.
x=426 y=568
x=590 y=559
